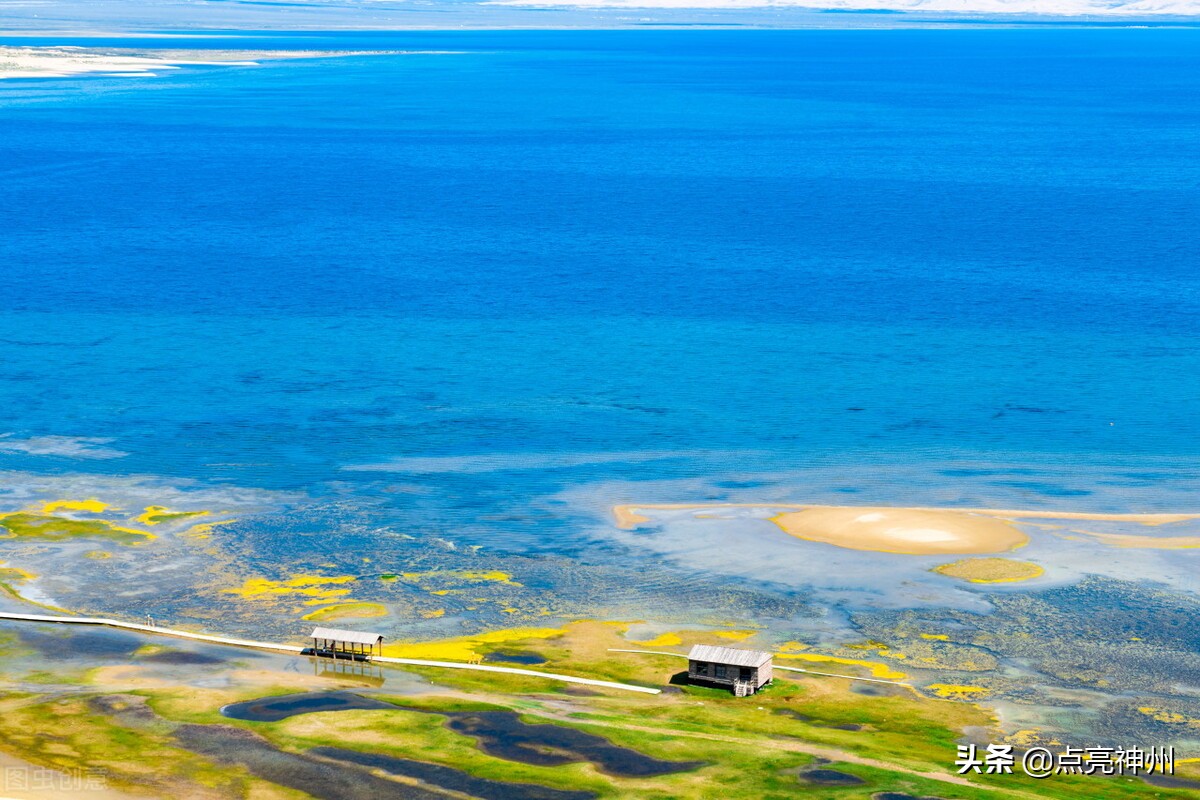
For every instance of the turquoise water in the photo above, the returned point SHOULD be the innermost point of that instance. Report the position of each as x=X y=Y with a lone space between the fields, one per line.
x=396 y=306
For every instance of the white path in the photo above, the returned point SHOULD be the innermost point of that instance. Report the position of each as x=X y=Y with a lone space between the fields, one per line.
x=291 y=648
x=773 y=666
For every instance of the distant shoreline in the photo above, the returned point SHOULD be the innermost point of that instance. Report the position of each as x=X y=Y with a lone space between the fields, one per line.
x=65 y=62
x=566 y=15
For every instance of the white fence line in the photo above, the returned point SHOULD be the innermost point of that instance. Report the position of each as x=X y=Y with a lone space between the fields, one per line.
x=773 y=666
x=291 y=648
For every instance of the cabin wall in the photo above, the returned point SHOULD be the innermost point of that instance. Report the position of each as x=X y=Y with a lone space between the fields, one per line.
x=709 y=673
x=765 y=675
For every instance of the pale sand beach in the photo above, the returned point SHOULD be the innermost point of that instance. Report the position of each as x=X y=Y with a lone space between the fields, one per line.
x=63 y=62
x=925 y=530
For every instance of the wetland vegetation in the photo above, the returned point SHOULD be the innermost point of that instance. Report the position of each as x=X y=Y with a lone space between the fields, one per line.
x=273 y=726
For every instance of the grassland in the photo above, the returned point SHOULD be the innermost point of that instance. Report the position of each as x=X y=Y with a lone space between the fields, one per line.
x=123 y=719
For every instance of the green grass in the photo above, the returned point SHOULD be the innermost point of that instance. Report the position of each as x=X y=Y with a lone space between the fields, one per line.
x=65 y=734
x=751 y=750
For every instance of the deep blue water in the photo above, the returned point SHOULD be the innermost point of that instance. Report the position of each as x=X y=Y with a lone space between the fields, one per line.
x=808 y=245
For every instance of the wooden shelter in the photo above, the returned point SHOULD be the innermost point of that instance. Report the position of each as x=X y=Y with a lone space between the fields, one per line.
x=743 y=671
x=336 y=643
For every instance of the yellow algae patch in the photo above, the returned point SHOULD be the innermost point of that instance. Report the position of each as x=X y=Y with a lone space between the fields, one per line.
x=884 y=650
x=150 y=650
x=467 y=648
x=877 y=670
x=664 y=640
x=156 y=515
x=902 y=530
x=433 y=614
x=990 y=570
x=1028 y=737
x=1169 y=717
x=736 y=636
x=313 y=586
x=470 y=576
x=495 y=576
x=343 y=610
x=937 y=637
x=14 y=574
x=97 y=555
x=91 y=505
x=34 y=525
x=952 y=691
x=205 y=529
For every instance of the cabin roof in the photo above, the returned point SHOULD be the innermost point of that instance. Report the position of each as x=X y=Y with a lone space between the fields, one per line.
x=728 y=655
x=352 y=637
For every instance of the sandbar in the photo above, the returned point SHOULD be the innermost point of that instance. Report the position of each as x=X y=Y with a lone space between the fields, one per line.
x=628 y=515
x=903 y=530
x=923 y=530
x=1127 y=540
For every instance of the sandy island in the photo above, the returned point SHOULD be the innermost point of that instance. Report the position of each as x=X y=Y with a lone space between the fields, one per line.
x=923 y=530
x=903 y=530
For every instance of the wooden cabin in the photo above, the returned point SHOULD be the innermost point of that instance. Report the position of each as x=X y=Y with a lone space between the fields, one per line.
x=743 y=671
x=355 y=645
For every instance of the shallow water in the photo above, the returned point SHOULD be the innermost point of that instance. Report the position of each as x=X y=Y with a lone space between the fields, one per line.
x=183 y=658
x=58 y=643
x=273 y=709
x=514 y=657
x=227 y=745
x=504 y=735
x=450 y=778
x=828 y=777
